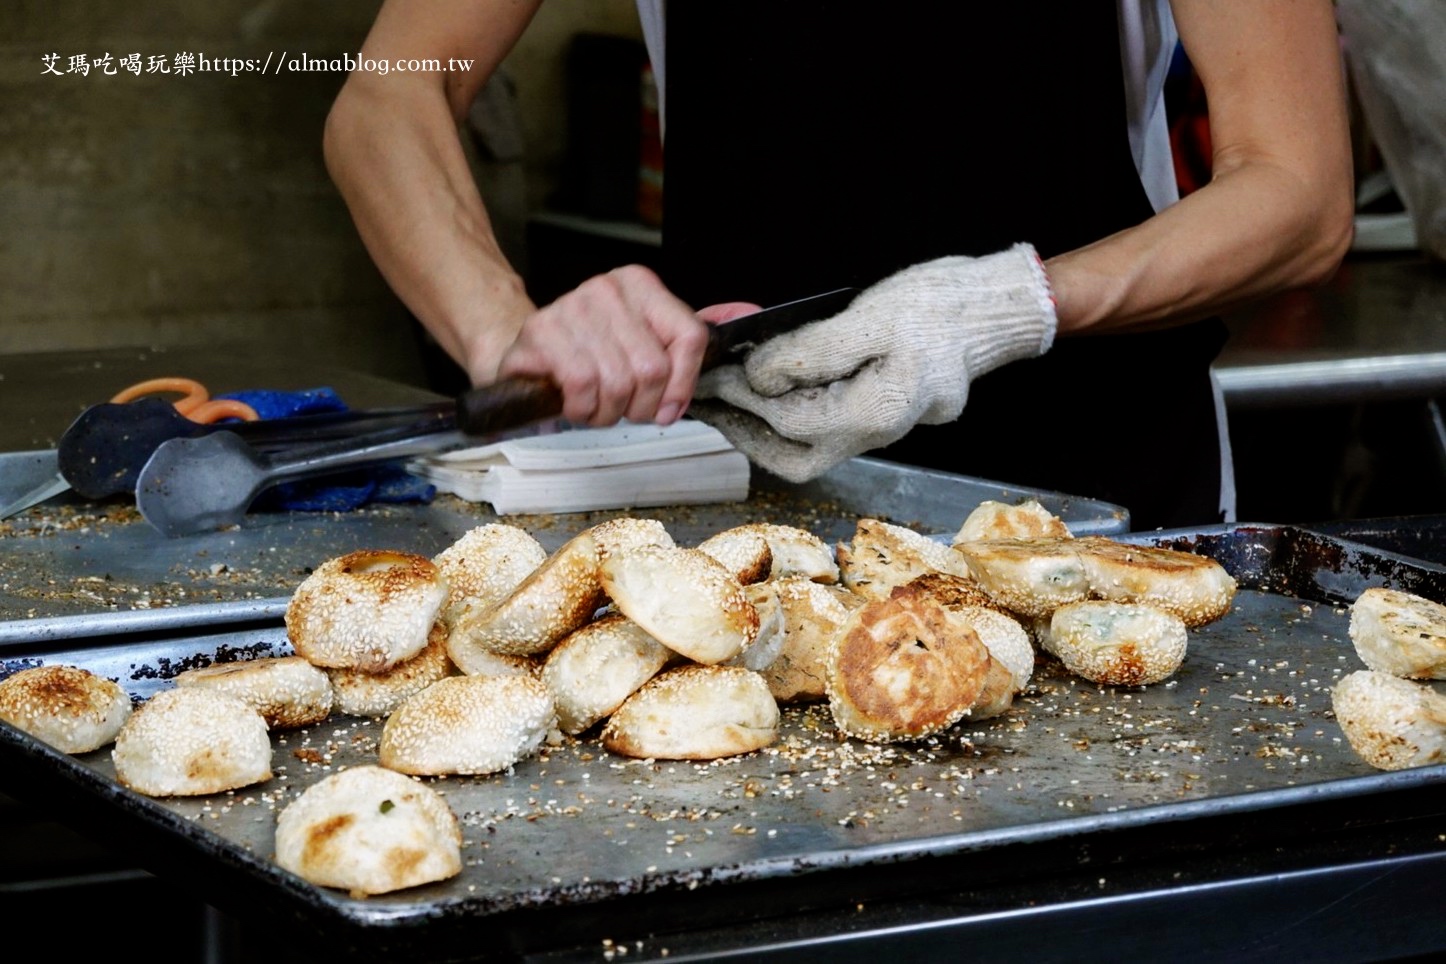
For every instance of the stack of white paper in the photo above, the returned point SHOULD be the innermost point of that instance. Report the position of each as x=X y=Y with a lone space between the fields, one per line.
x=625 y=466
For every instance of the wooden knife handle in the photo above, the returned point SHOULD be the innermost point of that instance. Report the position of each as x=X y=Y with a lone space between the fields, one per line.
x=514 y=402
x=508 y=404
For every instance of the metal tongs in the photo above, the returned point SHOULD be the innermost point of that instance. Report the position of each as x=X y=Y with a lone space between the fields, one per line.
x=105 y=448
x=87 y=460
x=207 y=479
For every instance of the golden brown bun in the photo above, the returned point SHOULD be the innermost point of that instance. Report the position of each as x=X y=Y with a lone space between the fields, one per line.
x=1400 y=633
x=1117 y=644
x=559 y=596
x=684 y=598
x=1032 y=577
x=904 y=668
x=1391 y=723
x=484 y=566
x=1009 y=645
x=768 y=642
x=812 y=614
x=379 y=694
x=999 y=520
x=369 y=830
x=883 y=556
x=287 y=691
x=796 y=552
x=1006 y=639
x=626 y=533
x=996 y=697
x=695 y=713
x=191 y=741
x=482 y=663
x=1195 y=588
x=70 y=708
x=956 y=591
x=366 y=610
x=743 y=552
x=594 y=669
x=468 y=725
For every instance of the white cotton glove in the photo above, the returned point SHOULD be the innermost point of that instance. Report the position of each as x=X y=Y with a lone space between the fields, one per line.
x=903 y=353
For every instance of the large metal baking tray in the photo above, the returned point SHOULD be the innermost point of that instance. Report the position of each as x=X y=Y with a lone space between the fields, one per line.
x=102 y=561
x=564 y=844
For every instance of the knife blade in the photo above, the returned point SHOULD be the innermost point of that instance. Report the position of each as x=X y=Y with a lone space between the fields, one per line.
x=24 y=476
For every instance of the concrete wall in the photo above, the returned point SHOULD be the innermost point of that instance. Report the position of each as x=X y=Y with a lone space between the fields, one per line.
x=165 y=210
x=537 y=64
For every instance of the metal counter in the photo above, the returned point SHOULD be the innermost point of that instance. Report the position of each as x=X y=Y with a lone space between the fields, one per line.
x=1376 y=331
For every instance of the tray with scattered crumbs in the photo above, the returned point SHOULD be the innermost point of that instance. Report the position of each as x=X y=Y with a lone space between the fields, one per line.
x=577 y=847
x=102 y=562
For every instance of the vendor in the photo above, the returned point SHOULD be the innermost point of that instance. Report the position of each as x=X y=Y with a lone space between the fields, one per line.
x=996 y=178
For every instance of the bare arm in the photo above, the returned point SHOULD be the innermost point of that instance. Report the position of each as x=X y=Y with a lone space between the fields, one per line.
x=1278 y=210
x=621 y=345
x=392 y=147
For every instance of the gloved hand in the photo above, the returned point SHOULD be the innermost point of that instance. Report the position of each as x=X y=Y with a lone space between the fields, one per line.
x=903 y=353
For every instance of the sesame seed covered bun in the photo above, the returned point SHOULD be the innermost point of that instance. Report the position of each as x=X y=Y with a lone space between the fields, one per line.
x=379 y=694
x=1117 y=644
x=190 y=741
x=1011 y=659
x=1196 y=588
x=559 y=596
x=796 y=552
x=1391 y=723
x=485 y=565
x=1000 y=520
x=482 y=663
x=768 y=643
x=369 y=830
x=468 y=725
x=1007 y=641
x=1032 y=577
x=1037 y=627
x=626 y=533
x=695 y=713
x=1010 y=649
x=70 y=708
x=883 y=556
x=997 y=695
x=1400 y=633
x=812 y=614
x=743 y=552
x=366 y=610
x=684 y=598
x=904 y=668
x=287 y=691
x=595 y=668
x=954 y=591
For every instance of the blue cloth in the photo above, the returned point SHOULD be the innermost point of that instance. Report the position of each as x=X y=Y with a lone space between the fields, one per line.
x=270 y=404
x=343 y=491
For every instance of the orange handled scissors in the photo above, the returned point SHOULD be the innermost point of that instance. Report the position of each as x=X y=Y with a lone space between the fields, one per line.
x=195 y=404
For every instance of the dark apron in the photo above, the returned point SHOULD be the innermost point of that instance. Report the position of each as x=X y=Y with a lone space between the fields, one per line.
x=812 y=145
